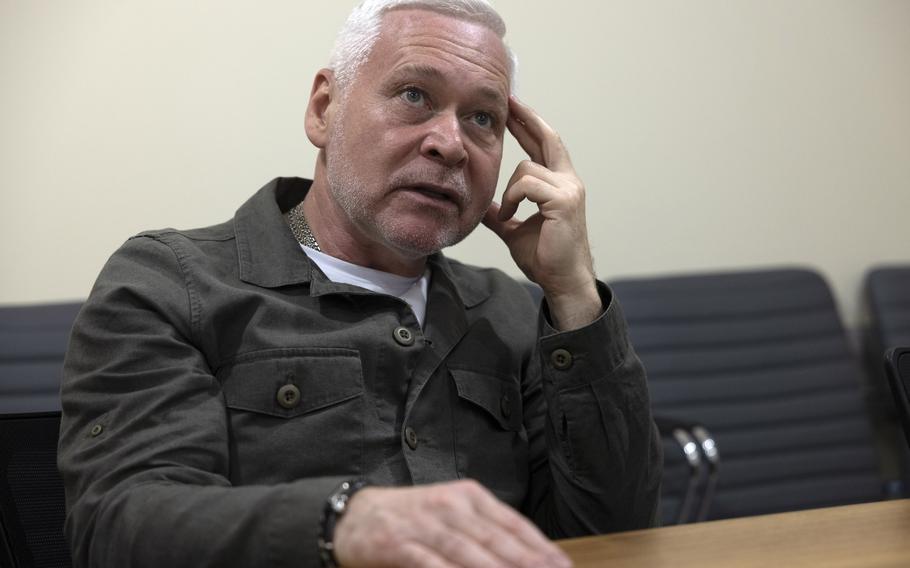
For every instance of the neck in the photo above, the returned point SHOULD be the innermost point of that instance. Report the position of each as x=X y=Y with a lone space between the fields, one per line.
x=339 y=237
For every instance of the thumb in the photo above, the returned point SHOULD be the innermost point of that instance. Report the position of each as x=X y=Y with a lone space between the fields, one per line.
x=492 y=222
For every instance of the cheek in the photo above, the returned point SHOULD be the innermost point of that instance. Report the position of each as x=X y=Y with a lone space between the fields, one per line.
x=385 y=147
x=365 y=125
x=486 y=174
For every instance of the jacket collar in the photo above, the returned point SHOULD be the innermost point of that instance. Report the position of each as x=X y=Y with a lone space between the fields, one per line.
x=270 y=256
x=267 y=252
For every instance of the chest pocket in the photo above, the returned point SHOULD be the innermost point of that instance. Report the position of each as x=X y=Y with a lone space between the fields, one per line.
x=294 y=413
x=491 y=442
x=499 y=398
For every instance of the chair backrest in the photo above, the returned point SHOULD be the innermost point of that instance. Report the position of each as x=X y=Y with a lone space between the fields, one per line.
x=898 y=367
x=33 y=341
x=761 y=358
x=886 y=292
x=32 y=505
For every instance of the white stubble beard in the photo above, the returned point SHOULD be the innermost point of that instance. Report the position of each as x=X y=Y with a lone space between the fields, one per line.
x=347 y=190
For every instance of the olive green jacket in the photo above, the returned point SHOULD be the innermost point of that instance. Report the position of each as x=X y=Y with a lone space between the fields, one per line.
x=218 y=387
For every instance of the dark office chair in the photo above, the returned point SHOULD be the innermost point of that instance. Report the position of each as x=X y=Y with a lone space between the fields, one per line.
x=691 y=462
x=691 y=471
x=763 y=359
x=33 y=341
x=32 y=507
x=886 y=292
x=897 y=366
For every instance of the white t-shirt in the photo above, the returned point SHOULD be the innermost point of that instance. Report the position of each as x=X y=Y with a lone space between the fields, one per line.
x=411 y=290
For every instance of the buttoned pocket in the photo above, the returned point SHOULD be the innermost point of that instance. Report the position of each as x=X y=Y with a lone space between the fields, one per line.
x=321 y=377
x=296 y=412
x=491 y=444
x=500 y=398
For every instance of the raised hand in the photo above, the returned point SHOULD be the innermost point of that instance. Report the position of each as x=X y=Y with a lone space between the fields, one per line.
x=551 y=247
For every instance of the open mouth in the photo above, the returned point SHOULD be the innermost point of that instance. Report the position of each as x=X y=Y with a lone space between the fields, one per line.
x=432 y=194
x=436 y=193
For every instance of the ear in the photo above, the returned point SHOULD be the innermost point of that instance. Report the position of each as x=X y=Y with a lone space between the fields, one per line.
x=319 y=111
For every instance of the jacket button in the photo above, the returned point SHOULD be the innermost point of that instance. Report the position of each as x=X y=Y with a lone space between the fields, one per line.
x=410 y=436
x=505 y=405
x=561 y=359
x=403 y=336
x=97 y=429
x=289 y=396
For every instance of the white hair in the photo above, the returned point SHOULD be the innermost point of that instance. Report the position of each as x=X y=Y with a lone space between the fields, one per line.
x=360 y=31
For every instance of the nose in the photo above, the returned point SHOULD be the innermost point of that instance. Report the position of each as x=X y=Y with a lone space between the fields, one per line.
x=443 y=142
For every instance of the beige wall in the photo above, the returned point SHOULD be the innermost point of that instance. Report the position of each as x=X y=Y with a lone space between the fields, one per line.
x=710 y=133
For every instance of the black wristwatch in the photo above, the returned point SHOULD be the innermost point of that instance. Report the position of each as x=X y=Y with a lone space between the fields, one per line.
x=335 y=507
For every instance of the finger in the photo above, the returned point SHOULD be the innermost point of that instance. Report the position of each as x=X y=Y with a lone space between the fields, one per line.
x=416 y=555
x=502 y=544
x=508 y=209
x=533 y=133
x=527 y=187
x=528 y=167
x=491 y=220
x=501 y=228
x=525 y=139
x=453 y=541
x=512 y=522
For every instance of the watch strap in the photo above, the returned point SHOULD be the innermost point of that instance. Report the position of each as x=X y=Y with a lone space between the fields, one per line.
x=335 y=506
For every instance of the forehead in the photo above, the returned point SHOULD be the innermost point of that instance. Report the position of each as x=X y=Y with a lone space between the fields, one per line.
x=461 y=50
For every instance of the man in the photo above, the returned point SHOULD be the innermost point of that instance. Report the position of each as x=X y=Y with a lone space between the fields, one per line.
x=233 y=400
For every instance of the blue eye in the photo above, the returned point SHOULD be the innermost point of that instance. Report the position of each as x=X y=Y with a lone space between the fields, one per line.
x=413 y=96
x=483 y=119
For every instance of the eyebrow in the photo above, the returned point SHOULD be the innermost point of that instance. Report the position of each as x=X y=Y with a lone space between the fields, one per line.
x=430 y=73
x=417 y=69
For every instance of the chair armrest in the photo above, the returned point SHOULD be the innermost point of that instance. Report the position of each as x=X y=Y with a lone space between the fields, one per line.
x=701 y=452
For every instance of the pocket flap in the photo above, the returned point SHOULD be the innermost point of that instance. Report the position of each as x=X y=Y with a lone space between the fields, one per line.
x=501 y=398
x=322 y=377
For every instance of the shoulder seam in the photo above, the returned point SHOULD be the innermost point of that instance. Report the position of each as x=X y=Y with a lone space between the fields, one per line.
x=193 y=303
x=187 y=234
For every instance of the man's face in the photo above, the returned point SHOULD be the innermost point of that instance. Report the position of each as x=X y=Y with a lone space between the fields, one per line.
x=414 y=148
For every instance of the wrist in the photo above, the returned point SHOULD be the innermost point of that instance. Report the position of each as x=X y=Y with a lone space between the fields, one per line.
x=334 y=509
x=576 y=308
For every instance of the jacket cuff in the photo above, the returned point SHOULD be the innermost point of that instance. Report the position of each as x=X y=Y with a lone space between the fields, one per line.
x=293 y=536
x=580 y=356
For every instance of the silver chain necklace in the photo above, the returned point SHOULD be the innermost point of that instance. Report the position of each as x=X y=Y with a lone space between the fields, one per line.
x=301 y=228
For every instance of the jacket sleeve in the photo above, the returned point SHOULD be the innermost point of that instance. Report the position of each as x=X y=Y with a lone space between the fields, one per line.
x=596 y=453
x=144 y=437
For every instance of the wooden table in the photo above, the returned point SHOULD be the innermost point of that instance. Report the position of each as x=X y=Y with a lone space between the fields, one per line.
x=866 y=535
